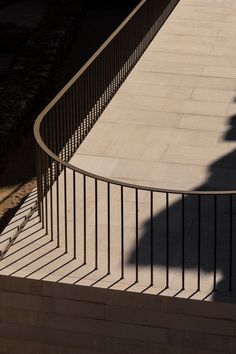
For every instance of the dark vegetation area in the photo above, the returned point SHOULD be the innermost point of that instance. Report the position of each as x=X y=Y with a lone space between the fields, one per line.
x=43 y=44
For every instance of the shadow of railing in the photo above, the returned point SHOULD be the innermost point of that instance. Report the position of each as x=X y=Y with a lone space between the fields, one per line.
x=193 y=237
x=96 y=231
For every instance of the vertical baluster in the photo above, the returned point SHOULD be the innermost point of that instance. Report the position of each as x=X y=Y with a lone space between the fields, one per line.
x=42 y=174
x=230 y=240
x=87 y=92
x=136 y=227
x=92 y=94
x=95 y=93
x=199 y=244
x=88 y=85
x=43 y=189
x=58 y=205
x=46 y=190
x=63 y=128
x=108 y=231
x=151 y=236
x=57 y=169
x=72 y=119
x=74 y=214
x=54 y=130
x=99 y=81
x=75 y=115
x=79 y=112
x=65 y=210
x=38 y=176
x=167 y=240
x=77 y=94
x=183 y=242
x=85 y=217
x=96 y=224
x=85 y=105
x=69 y=120
x=122 y=231
x=51 y=196
x=215 y=241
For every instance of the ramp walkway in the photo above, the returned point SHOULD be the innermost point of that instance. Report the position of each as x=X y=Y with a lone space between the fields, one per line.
x=155 y=210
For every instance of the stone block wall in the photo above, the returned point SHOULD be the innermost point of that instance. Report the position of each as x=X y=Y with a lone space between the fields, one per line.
x=49 y=318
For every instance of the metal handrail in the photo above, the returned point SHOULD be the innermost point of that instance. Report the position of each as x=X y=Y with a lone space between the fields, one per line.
x=64 y=124
x=66 y=164
x=41 y=116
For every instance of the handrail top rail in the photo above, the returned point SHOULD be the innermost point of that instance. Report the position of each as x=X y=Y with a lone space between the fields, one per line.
x=76 y=169
x=88 y=63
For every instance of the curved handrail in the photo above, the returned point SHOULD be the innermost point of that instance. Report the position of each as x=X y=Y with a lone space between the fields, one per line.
x=66 y=215
x=112 y=181
x=68 y=165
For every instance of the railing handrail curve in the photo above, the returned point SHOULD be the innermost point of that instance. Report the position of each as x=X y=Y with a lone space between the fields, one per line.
x=68 y=165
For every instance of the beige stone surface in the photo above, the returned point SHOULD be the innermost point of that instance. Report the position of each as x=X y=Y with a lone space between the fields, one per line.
x=170 y=126
x=176 y=106
x=47 y=317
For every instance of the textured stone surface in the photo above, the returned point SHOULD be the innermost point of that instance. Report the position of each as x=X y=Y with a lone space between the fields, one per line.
x=58 y=318
x=177 y=135
x=176 y=110
x=145 y=136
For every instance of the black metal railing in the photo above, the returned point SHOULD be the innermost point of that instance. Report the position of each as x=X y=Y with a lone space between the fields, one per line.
x=149 y=236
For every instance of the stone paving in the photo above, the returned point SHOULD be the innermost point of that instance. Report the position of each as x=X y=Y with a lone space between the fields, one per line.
x=171 y=125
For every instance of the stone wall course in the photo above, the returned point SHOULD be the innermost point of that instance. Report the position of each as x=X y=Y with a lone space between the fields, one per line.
x=170 y=320
x=90 y=320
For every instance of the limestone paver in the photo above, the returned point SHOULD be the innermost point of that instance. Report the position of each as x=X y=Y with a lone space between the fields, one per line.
x=214 y=95
x=204 y=123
